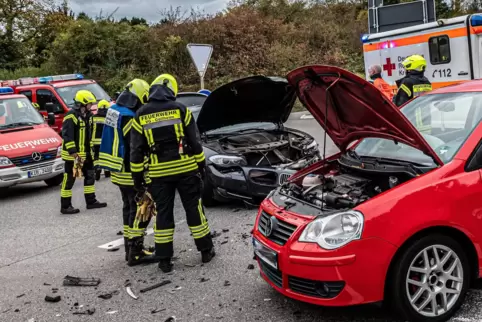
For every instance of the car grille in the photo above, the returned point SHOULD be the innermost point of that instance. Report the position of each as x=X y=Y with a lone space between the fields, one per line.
x=37 y=166
x=273 y=275
x=283 y=177
x=315 y=288
x=27 y=159
x=281 y=234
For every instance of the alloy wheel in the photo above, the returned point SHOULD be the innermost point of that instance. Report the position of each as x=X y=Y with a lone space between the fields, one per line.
x=434 y=280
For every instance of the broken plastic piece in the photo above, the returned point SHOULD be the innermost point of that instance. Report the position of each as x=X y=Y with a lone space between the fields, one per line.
x=157 y=311
x=113 y=249
x=149 y=288
x=250 y=266
x=52 y=299
x=87 y=312
x=171 y=319
x=80 y=281
x=131 y=294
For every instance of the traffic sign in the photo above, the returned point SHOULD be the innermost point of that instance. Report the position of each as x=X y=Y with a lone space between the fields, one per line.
x=200 y=55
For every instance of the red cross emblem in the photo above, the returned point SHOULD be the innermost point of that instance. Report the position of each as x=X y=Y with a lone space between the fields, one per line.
x=388 y=67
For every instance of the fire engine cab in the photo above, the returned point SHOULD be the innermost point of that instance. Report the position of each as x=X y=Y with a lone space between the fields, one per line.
x=452 y=48
x=29 y=148
x=56 y=92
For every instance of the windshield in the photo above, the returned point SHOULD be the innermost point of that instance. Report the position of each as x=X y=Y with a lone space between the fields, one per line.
x=191 y=99
x=18 y=111
x=444 y=120
x=68 y=92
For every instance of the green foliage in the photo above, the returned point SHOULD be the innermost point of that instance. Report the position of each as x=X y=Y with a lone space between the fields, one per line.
x=269 y=37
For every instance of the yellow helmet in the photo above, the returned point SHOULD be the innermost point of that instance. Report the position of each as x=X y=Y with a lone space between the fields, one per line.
x=103 y=104
x=140 y=88
x=415 y=62
x=167 y=80
x=84 y=97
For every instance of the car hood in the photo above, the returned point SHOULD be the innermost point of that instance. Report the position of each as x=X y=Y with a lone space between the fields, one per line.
x=252 y=99
x=23 y=141
x=353 y=109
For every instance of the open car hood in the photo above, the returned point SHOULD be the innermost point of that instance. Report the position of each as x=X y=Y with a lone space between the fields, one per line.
x=252 y=99
x=353 y=108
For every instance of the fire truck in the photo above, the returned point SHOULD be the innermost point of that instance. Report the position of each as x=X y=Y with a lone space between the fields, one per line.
x=55 y=93
x=452 y=48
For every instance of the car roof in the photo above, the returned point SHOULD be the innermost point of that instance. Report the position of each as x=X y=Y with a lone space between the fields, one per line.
x=73 y=83
x=7 y=96
x=465 y=87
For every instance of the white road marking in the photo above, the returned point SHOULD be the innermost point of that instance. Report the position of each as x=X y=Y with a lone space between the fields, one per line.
x=120 y=241
x=306 y=116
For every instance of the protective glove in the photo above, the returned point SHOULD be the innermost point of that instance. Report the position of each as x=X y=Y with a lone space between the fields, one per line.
x=145 y=207
x=78 y=164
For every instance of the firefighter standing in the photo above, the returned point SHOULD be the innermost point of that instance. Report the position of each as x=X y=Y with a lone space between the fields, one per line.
x=76 y=149
x=414 y=84
x=98 y=127
x=375 y=72
x=115 y=156
x=166 y=131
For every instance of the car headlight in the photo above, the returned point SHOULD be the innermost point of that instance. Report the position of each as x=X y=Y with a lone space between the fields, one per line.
x=5 y=162
x=227 y=160
x=59 y=151
x=334 y=231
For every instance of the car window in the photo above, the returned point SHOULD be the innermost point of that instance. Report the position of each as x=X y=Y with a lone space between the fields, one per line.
x=191 y=99
x=45 y=96
x=67 y=93
x=19 y=110
x=444 y=120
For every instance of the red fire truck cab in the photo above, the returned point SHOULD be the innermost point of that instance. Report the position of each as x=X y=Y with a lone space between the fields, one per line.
x=57 y=91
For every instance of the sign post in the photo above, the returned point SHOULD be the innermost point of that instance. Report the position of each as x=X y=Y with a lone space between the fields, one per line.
x=200 y=55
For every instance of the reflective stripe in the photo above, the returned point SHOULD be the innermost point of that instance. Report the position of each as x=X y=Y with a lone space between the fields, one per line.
x=171 y=172
x=135 y=231
x=203 y=229
x=188 y=117
x=122 y=178
x=70 y=145
x=89 y=189
x=82 y=137
x=137 y=126
x=115 y=144
x=64 y=193
x=421 y=88
x=66 y=156
x=199 y=157
x=406 y=90
x=126 y=231
x=173 y=164
x=127 y=128
x=163 y=236
x=70 y=117
x=137 y=167
x=98 y=119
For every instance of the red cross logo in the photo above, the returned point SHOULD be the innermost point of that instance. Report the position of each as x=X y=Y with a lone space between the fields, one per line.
x=388 y=67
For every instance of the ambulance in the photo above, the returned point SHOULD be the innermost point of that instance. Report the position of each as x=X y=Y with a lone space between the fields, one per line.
x=29 y=148
x=56 y=91
x=452 y=48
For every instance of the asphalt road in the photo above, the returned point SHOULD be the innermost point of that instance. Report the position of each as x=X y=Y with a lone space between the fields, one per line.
x=40 y=247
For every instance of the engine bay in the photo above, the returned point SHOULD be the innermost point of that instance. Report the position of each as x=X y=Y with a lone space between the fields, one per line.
x=277 y=149
x=340 y=190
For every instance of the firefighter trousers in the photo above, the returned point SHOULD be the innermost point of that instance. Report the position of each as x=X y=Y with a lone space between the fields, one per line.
x=132 y=227
x=69 y=180
x=163 y=193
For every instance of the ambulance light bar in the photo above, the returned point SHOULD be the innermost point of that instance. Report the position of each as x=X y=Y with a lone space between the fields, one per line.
x=476 y=20
x=6 y=90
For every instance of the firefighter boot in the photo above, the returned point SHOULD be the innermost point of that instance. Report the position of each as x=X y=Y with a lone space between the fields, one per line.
x=165 y=265
x=208 y=255
x=137 y=254
x=106 y=174
x=69 y=211
x=96 y=205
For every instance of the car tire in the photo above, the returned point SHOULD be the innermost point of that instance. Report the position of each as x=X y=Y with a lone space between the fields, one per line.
x=420 y=277
x=55 y=181
x=208 y=194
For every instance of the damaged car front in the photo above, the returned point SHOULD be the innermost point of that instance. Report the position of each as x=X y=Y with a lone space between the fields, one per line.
x=376 y=220
x=248 y=149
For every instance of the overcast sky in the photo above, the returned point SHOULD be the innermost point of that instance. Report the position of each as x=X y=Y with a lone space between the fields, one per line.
x=148 y=9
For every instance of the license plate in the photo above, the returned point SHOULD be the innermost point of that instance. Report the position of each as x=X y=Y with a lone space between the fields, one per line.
x=266 y=254
x=39 y=172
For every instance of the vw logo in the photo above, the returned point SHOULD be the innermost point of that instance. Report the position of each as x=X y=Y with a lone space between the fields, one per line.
x=271 y=225
x=36 y=156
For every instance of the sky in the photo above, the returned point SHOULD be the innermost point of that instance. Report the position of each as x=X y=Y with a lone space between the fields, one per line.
x=147 y=9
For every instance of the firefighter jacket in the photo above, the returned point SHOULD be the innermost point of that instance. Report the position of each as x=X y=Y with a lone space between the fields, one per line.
x=412 y=85
x=76 y=135
x=166 y=131
x=98 y=126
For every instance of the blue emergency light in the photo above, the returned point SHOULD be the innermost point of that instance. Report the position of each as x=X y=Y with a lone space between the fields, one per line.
x=476 y=20
x=6 y=90
x=205 y=92
x=364 y=38
x=47 y=79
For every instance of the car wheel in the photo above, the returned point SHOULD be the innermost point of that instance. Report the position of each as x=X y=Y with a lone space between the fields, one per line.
x=55 y=181
x=208 y=194
x=431 y=279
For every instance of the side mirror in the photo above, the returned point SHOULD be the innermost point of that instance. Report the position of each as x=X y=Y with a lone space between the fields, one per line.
x=50 y=107
x=51 y=118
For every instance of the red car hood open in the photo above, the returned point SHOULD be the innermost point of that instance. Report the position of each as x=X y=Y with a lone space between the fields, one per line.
x=354 y=108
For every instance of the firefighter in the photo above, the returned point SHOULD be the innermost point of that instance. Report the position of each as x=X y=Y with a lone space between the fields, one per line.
x=115 y=156
x=167 y=132
x=76 y=149
x=414 y=84
x=98 y=127
x=375 y=73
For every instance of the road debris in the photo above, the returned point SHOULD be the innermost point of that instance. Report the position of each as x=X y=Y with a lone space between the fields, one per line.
x=149 y=288
x=171 y=319
x=86 y=312
x=250 y=266
x=224 y=242
x=52 y=299
x=47 y=284
x=80 y=281
x=202 y=280
x=129 y=291
x=31 y=320
x=227 y=283
x=6 y=311
x=215 y=234
x=267 y=300
x=19 y=296
x=16 y=310
x=120 y=233
x=113 y=249
x=189 y=265
x=108 y=296
x=112 y=312
x=225 y=230
x=157 y=311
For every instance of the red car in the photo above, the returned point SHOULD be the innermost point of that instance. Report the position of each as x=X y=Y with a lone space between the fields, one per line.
x=395 y=216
